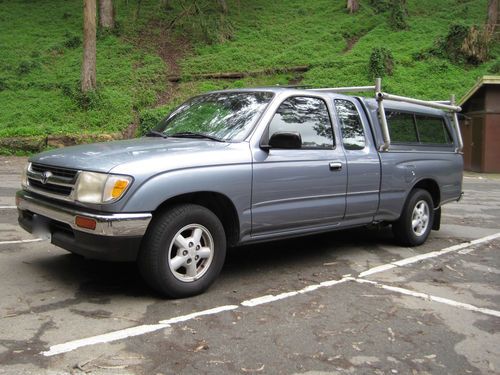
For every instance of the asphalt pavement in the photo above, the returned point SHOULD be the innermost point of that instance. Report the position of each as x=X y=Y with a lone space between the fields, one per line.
x=349 y=302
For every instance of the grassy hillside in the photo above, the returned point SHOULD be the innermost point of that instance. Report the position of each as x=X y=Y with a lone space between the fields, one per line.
x=40 y=61
x=317 y=33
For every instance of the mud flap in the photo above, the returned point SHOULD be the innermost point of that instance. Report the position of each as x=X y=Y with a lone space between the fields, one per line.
x=436 y=224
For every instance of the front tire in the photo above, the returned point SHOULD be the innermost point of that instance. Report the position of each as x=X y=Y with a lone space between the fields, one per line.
x=183 y=251
x=415 y=224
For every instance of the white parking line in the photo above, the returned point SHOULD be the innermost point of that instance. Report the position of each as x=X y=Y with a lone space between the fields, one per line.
x=101 y=339
x=271 y=298
x=7 y=207
x=143 y=329
x=130 y=332
x=432 y=254
x=429 y=297
x=21 y=241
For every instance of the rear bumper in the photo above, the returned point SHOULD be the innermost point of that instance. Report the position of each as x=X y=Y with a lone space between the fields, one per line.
x=116 y=237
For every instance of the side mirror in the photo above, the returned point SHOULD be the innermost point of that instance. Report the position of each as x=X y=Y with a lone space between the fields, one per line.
x=287 y=140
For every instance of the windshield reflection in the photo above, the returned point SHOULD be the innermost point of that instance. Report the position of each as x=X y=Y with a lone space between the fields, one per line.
x=226 y=116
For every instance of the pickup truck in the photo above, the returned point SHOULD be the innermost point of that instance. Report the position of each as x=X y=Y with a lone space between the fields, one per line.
x=235 y=167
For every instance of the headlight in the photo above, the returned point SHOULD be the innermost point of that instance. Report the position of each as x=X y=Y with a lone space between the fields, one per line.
x=24 y=175
x=95 y=187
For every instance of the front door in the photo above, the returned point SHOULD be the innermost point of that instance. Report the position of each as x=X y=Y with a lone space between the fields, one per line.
x=304 y=187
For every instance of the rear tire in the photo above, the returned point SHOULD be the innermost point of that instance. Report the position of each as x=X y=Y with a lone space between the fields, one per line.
x=183 y=251
x=415 y=223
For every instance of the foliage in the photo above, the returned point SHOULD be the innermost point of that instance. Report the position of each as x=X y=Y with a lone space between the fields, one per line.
x=476 y=45
x=149 y=118
x=398 y=15
x=201 y=19
x=40 y=72
x=40 y=69
x=380 y=6
x=462 y=45
x=381 y=63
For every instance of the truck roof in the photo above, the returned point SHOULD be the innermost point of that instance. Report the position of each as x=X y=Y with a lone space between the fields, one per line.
x=370 y=102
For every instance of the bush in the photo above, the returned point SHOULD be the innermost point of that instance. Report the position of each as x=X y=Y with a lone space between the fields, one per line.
x=381 y=63
x=462 y=45
x=380 y=6
x=26 y=66
x=72 y=41
x=86 y=101
x=398 y=16
x=149 y=118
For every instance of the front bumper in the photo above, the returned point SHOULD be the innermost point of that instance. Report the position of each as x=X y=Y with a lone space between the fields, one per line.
x=115 y=237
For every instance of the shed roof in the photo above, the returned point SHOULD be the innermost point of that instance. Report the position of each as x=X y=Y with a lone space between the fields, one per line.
x=484 y=80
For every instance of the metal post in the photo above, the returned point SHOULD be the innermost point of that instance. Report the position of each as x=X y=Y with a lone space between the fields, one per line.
x=381 y=114
x=457 y=126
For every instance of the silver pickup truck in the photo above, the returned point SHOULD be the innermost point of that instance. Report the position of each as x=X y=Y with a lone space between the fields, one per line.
x=241 y=166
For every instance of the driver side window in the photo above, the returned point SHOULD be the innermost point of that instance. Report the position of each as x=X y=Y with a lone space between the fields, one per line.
x=307 y=116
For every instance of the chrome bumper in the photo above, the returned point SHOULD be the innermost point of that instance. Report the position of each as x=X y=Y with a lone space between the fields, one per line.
x=130 y=224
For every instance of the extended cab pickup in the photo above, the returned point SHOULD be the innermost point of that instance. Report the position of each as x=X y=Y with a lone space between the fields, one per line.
x=241 y=166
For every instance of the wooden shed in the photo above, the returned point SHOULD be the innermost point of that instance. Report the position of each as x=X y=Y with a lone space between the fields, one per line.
x=480 y=126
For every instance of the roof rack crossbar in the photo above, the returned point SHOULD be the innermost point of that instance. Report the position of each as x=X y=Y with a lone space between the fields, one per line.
x=347 y=89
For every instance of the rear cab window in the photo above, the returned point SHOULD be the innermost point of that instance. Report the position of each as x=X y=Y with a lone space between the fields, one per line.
x=418 y=129
x=351 y=127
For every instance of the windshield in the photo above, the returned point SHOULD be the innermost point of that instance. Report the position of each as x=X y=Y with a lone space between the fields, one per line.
x=226 y=116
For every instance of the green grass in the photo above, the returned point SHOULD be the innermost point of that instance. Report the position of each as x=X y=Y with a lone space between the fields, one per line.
x=41 y=57
x=271 y=35
x=40 y=72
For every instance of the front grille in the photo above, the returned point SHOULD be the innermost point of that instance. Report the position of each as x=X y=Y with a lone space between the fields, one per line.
x=52 y=188
x=52 y=181
x=62 y=172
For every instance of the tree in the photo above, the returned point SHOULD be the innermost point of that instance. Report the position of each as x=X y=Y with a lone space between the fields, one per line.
x=223 y=6
x=492 y=16
x=89 y=46
x=352 y=6
x=106 y=14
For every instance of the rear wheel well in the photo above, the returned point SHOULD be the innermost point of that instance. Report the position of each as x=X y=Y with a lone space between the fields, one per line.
x=218 y=203
x=433 y=188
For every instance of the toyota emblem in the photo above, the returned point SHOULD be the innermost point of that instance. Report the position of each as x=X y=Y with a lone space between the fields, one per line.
x=45 y=177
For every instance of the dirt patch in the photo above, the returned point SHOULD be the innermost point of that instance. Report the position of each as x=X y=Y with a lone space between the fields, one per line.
x=171 y=48
x=351 y=42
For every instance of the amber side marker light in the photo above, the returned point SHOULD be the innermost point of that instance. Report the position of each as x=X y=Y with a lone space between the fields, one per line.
x=118 y=188
x=85 y=222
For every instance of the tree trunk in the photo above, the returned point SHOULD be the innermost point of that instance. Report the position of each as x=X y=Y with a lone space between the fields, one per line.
x=352 y=6
x=492 y=16
x=89 y=46
x=106 y=14
x=223 y=6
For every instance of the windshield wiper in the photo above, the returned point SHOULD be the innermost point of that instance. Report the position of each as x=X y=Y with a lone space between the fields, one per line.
x=196 y=135
x=154 y=133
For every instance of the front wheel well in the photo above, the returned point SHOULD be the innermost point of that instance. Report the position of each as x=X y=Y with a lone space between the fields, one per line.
x=218 y=203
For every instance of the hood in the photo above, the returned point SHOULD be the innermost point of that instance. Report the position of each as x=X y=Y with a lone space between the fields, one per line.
x=102 y=157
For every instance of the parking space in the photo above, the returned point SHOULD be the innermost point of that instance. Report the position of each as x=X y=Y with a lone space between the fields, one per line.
x=349 y=302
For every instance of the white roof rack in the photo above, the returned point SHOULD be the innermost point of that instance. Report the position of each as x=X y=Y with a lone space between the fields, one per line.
x=448 y=105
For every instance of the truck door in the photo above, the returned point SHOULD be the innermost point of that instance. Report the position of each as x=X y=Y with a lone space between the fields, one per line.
x=303 y=187
x=363 y=163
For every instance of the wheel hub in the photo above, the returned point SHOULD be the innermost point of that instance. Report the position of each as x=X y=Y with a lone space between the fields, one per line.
x=191 y=252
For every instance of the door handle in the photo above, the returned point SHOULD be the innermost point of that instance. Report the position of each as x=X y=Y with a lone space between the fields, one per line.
x=335 y=166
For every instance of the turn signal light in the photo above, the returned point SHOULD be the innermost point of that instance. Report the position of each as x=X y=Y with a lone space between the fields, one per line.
x=118 y=188
x=85 y=222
